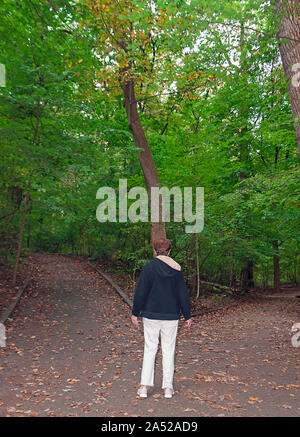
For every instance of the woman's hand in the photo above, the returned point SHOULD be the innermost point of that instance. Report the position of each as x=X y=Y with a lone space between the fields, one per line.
x=134 y=320
x=188 y=323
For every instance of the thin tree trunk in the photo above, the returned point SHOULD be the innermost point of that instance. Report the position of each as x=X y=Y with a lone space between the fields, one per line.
x=289 y=48
x=247 y=265
x=247 y=275
x=27 y=197
x=20 y=238
x=145 y=156
x=28 y=231
x=231 y=271
x=276 y=267
x=14 y=201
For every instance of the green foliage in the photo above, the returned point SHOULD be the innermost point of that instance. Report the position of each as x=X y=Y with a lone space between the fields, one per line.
x=213 y=102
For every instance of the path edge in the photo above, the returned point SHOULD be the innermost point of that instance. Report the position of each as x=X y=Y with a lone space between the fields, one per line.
x=8 y=312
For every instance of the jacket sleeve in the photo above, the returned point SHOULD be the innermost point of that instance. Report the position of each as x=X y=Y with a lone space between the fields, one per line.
x=141 y=292
x=184 y=298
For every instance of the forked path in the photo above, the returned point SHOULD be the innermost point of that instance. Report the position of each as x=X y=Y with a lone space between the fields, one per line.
x=72 y=351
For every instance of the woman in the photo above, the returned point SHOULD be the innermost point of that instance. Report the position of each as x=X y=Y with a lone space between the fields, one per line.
x=160 y=297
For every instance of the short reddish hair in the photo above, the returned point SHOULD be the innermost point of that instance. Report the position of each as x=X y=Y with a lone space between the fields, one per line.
x=162 y=246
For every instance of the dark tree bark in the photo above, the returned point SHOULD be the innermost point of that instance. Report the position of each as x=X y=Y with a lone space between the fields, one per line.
x=145 y=156
x=276 y=267
x=231 y=271
x=20 y=238
x=289 y=48
x=15 y=195
x=247 y=281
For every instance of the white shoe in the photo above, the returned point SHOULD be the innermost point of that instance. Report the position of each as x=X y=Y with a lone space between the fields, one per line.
x=169 y=392
x=142 y=391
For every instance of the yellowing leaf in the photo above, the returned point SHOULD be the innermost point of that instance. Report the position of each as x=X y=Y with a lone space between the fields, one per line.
x=253 y=400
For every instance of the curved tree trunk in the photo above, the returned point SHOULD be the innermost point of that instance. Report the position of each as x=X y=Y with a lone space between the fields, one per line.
x=145 y=156
x=231 y=271
x=247 y=265
x=289 y=49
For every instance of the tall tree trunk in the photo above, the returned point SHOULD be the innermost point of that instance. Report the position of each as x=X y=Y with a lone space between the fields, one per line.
x=145 y=156
x=247 y=275
x=15 y=196
x=20 y=238
x=247 y=265
x=27 y=197
x=276 y=267
x=231 y=271
x=289 y=48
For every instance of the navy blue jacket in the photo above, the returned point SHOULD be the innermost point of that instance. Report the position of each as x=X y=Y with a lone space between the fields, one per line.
x=161 y=293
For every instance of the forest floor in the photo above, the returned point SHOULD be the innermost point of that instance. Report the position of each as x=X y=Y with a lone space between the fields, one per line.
x=72 y=351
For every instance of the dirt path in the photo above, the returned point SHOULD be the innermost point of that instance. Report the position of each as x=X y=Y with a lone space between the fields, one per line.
x=72 y=351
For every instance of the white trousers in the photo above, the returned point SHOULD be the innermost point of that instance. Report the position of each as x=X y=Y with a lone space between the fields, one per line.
x=168 y=331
